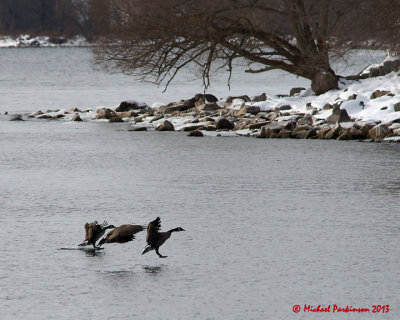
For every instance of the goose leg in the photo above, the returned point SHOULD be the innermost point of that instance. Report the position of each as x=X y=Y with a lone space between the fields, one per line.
x=159 y=254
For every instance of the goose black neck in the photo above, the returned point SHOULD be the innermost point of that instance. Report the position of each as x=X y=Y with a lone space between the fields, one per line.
x=174 y=230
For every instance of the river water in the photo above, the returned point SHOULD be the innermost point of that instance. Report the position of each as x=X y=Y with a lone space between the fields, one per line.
x=270 y=224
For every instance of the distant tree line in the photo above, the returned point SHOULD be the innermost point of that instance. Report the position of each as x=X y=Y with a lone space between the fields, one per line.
x=54 y=17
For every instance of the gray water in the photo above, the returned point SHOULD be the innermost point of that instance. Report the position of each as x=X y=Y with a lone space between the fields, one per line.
x=33 y=79
x=269 y=223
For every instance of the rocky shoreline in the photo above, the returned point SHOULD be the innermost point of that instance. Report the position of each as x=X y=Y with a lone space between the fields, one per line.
x=205 y=113
x=365 y=110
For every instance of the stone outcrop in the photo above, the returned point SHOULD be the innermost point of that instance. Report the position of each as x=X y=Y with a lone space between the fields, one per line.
x=115 y=118
x=138 y=128
x=379 y=93
x=259 y=98
x=338 y=115
x=208 y=107
x=195 y=133
x=204 y=98
x=166 y=126
x=76 y=117
x=248 y=109
x=16 y=117
x=222 y=123
x=131 y=105
x=296 y=90
x=323 y=82
x=379 y=132
x=104 y=113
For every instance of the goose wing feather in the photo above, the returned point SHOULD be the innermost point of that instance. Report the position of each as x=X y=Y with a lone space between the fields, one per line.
x=153 y=232
x=123 y=233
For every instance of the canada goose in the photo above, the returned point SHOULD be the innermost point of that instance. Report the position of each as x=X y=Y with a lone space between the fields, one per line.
x=155 y=238
x=94 y=232
x=122 y=234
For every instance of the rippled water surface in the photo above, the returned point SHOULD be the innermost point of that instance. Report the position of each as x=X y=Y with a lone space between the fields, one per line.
x=269 y=224
x=33 y=79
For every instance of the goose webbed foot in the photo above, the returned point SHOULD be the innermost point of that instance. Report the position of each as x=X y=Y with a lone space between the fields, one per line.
x=160 y=255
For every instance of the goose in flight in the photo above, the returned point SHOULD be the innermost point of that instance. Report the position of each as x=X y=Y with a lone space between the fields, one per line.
x=94 y=231
x=155 y=238
x=122 y=234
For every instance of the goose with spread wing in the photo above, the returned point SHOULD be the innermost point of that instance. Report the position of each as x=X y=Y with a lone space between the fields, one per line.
x=94 y=231
x=122 y=234
x=155 y=238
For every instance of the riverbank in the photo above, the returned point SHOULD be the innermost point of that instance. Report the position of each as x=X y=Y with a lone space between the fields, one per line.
x=27 y=41
x=366 y=109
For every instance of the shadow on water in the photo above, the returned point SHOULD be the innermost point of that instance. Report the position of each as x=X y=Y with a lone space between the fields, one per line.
x=391 y=187
x=119 y=274
x=154 y=270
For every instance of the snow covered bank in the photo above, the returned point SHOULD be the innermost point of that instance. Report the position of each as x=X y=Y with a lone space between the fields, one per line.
x=359 y=109
x=25 y=41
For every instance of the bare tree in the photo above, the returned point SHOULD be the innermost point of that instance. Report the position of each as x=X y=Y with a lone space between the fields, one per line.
x=156 y=39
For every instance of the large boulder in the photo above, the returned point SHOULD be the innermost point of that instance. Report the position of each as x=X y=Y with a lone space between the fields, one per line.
x=131 y=105
x=261 y=97
x=285 y=134
x=258 y=125
x=166 y=126
x=127 y=114
x=138 y=128
x=115 y=118
x=365 y=129
x=379 y=93
x=321 y=134
x=323 y=82
x=191 y=127
x=249 y=109
x=179 y=106
x=208 y=107
x=205 y=98
x=104 y=113
x=296 y=90
x=338 y=115
x=306 y=120
x=334 y=132
x=345 y=135
x=222 y=123
x=16 y=117
x=357 y=133
x=379 y=132
x=76 y=117
x=195 y=133
x=230 y=99
x=270 y=131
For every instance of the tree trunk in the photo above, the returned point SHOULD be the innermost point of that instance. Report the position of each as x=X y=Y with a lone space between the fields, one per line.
x=323 y=81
